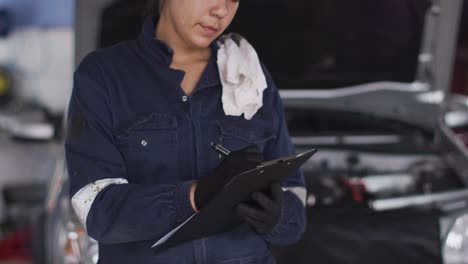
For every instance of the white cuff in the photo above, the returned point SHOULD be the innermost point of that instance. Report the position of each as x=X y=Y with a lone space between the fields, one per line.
x=84 y=198
x=300 y=192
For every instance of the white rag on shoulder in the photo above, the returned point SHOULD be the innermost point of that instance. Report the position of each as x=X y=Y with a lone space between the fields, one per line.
x=241 y=75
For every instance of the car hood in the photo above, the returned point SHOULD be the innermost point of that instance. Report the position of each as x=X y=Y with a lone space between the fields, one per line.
x=412 y=103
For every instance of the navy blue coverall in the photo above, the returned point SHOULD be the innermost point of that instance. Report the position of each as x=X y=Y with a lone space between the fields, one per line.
x=136 y=123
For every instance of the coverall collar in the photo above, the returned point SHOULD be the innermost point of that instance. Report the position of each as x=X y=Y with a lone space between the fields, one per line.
x=164 y=54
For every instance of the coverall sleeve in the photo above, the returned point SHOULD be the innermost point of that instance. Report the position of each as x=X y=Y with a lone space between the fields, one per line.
x=293 y=218
x=119 y=213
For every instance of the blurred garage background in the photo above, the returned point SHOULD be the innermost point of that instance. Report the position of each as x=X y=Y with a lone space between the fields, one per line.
x=36 y=69
x=379 y=86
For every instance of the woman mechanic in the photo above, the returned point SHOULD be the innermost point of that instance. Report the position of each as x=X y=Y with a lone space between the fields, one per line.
x=141 y=119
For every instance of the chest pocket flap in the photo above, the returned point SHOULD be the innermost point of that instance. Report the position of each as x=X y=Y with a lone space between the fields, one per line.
x=149 y=146
x=153 y=121
x=236 y=135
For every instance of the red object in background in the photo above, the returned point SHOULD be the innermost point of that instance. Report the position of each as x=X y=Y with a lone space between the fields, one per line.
x=460 y=67
x=464 y=137
x=460 y=71
x=16 y=246
x=357 y=189
x=462 y=134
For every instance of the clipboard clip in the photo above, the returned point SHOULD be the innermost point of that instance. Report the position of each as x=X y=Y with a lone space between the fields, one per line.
x=223 y=151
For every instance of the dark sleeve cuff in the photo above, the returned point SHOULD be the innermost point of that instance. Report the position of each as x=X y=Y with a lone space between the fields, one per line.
x=291 y=224
x=183 y=207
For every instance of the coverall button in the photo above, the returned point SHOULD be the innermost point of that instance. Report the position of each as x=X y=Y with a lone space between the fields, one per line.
x=184 y=98
x=144 y=143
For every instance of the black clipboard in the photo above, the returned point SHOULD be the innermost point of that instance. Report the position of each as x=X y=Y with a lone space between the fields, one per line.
x=219 y=214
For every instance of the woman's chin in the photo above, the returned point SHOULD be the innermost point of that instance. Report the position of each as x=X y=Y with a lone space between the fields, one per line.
x=202 y=42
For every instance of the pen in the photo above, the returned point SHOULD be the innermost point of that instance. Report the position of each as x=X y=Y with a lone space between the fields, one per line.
x=220 y=149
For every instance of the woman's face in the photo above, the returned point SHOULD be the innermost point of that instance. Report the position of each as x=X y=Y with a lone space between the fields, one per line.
x=198 y=22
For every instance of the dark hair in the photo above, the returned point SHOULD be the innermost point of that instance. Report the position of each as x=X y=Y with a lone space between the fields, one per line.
x=152 y=8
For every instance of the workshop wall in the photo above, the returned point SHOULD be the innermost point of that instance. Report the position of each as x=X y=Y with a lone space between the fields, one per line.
x=39 y=50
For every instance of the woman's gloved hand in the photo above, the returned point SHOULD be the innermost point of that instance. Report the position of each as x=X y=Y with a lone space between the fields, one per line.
x=236 y=162
x=265 y=214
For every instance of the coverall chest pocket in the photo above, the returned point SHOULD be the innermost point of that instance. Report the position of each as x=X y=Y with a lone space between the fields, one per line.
x=237 y=135
x=149 y=146
x=255 y=259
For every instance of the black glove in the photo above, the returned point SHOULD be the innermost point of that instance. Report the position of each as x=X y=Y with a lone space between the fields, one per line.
x=266 y=211
x=236 y=162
